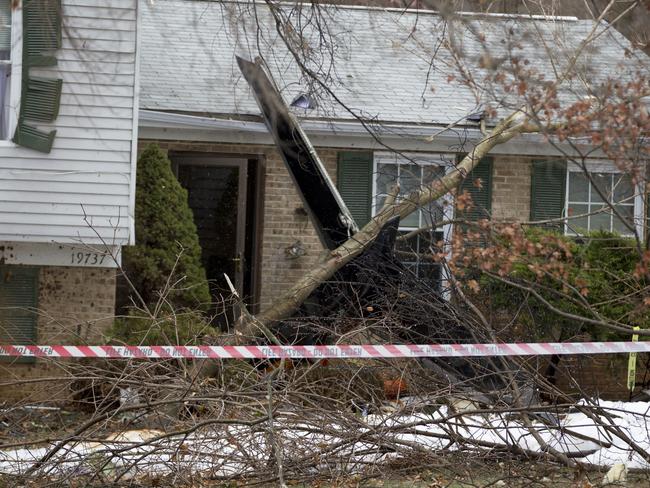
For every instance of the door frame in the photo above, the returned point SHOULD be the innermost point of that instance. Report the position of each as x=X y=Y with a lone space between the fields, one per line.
x=206 y=159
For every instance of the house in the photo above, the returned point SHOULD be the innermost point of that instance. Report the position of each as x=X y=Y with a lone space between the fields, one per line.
x=68 y=195
x=67 y=167
x=387 y=67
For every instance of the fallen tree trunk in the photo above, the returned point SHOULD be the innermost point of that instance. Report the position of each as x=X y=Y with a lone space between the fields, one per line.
x=289 y=302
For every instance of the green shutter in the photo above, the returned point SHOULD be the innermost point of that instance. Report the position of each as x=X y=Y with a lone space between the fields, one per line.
x=41 y=31
x=481 y=195
x=18 y=305
x=547 y=191
x=40 y=97
x=32 y=138
x=354 y=182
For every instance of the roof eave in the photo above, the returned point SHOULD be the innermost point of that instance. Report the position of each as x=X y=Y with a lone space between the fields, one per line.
x=338 y=134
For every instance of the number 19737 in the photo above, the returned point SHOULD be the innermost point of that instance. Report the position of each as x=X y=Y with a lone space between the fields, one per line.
x=87 y=258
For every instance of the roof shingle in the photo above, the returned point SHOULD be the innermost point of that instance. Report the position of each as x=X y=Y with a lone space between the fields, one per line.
x=389 y=66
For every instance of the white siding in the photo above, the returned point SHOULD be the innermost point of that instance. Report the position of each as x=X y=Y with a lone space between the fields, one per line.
x=88 y=175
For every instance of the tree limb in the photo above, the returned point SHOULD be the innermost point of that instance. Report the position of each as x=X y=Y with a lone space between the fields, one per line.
x=289 y=302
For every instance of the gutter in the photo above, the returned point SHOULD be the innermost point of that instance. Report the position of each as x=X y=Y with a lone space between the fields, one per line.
x=344 y=134
x=421 y=11
x=152 y=118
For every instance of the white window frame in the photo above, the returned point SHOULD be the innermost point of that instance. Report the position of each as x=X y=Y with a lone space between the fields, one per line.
x=13 y=106
x=597 y=166
x=443 y=160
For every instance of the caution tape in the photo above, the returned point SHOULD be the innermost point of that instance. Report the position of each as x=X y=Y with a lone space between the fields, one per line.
x=322 y=352
x=631 y=364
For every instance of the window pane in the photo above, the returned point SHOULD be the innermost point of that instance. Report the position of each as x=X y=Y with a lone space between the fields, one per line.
x=429 y=269
x=432 y=214
x=386 y=179
x=412 y=220
x=428 y=240
x=623 y=188
x=615 y=187
x=416 y=255
x=602 y=181
x=434 y=211
x=407 y=251
x=410 y=180
x=627 y=211
x=431 y=173
x=578 y=187
x=577 y=225
x=601 y=220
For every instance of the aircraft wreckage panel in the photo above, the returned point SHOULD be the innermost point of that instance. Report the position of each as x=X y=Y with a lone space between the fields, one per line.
x=328 y=212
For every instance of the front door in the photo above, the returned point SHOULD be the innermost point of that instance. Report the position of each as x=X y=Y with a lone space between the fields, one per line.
x=217 y=196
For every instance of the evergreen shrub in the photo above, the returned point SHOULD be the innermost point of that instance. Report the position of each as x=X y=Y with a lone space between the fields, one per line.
x=167 y=250
x=173 y=329
x=599 y=281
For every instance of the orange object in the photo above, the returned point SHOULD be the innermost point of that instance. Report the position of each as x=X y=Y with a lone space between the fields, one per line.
x=394 y=388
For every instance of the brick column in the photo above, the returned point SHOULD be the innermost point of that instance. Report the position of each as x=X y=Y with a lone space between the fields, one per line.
x=511 y=188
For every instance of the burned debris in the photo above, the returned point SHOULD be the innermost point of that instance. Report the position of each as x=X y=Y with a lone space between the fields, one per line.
x=375 y=286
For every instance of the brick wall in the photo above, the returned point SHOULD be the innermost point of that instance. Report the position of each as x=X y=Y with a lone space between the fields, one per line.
x=282 y=225
x=75 y=306
x=603 y=375
x=511 y=188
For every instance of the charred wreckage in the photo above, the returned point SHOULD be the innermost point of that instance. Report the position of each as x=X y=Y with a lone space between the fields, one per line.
x=375 y=283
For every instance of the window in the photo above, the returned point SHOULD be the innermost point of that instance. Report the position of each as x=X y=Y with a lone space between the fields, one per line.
x=412 y=172
x=364 y=179
x=5 y=67
x=565 y=199
x=590 y=200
